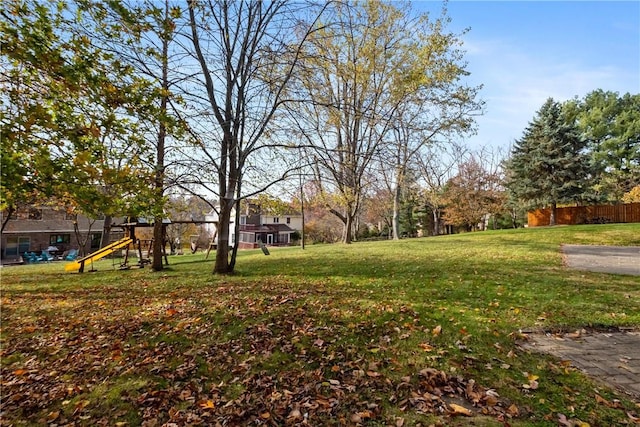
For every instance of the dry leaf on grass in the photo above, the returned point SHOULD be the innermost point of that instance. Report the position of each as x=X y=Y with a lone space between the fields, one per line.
x=460 y=410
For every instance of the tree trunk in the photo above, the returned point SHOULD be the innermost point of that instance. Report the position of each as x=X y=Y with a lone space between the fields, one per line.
x=158 y=244
x=396 y=212
x=347 y=236
x=222 y=252
x=10 y=210
x=236 y=230
x=158 y=235
x=552 y=216
x=106 y=231
x=436 y=222
x=80 y=238
x=302 y=236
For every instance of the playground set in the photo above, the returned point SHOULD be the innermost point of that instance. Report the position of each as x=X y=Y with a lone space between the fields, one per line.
x=143 y=247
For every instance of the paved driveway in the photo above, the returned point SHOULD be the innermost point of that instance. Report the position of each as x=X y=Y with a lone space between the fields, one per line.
x=603 y=259
x=613 y=358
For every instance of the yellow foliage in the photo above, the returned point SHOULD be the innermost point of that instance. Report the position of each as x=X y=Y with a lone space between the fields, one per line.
x=632 y=196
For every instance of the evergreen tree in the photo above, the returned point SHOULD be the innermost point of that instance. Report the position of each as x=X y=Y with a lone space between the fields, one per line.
x=548 y=165
x=611 y=126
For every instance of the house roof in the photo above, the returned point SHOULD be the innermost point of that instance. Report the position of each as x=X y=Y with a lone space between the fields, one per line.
x=266 y=228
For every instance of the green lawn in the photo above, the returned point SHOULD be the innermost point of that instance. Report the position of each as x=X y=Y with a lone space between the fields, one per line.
x=415 y=332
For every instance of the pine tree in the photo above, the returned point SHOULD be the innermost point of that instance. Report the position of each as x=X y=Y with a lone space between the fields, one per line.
x=610 y=124
x=548 y=165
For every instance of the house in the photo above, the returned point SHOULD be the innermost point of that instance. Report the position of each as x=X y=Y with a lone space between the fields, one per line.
x=37 y=228
x=271 y=229
x=211 y=226
x=257 y=226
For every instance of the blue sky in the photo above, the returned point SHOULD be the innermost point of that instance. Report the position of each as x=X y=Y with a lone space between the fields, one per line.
x=526 y=51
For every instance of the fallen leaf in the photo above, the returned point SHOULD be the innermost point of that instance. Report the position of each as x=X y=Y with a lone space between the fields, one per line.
x=207 y=404
x=491 y=401
x=460 y=410
x=563 y=421
x=295 y=414
x=576 y=334
x=436 y=331
x=426 y=347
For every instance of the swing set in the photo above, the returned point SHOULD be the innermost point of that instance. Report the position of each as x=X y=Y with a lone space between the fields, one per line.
x=142 y=247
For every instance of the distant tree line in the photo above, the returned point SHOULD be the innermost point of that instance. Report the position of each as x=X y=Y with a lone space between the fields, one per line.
x=355 y=110
x=579 y=152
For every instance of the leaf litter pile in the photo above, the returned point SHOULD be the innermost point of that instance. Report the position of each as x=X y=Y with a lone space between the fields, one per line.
x=238 y=354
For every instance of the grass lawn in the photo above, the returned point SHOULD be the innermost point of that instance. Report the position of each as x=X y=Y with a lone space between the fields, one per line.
x=415 y=332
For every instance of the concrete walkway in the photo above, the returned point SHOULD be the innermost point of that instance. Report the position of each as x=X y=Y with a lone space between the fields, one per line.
x=612 y=358
x=603 y=259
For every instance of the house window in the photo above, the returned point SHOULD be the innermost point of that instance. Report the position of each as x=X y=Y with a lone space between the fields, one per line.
x=288 y=220
x=16 y=246
x=276 y=220
x=56 y=239
x=243 y=220
x=247 y=237
x=35 y=214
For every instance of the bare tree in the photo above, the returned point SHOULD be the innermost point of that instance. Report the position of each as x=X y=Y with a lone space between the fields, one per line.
x=436 y=116
x=247 y=52
x=436 y=165
x=365 y=79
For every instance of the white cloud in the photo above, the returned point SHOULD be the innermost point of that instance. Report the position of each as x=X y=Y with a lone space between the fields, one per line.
x=517 y=83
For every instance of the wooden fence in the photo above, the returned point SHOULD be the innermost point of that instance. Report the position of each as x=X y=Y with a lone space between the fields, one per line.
x=596 y=214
